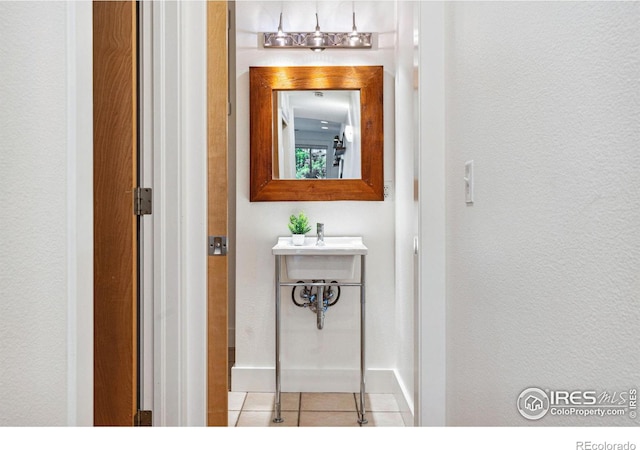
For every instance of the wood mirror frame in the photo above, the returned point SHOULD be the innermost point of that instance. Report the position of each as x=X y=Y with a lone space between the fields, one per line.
x=264 y=81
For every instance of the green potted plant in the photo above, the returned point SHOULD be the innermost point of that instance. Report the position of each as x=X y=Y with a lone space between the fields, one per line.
x=299 y=226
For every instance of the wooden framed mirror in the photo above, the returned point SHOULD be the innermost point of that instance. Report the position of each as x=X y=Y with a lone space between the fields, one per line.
x=347 y=167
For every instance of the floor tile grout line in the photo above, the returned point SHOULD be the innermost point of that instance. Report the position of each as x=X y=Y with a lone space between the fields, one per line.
x=299 y=410
x=299 y=406
x=241 y=408
x=326 y=410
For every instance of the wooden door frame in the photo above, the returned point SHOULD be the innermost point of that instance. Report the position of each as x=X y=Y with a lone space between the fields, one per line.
x=189 y=290
x=115 y=225
x=218 y=267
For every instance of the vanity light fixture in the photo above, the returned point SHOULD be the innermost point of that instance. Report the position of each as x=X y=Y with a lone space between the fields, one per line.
x=317 y=40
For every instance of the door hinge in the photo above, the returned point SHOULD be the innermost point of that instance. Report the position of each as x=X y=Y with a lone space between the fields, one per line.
x=142 y=201
x=143 y=419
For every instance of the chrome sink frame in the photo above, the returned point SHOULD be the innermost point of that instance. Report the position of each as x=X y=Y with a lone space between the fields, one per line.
x=361 y=284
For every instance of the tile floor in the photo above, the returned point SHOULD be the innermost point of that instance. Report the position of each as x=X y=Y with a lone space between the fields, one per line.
x=303 y=409
x=256 y=409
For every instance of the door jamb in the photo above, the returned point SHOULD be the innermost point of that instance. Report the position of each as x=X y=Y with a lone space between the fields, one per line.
x=145 y=179
x=176 y=116
x=80 y=213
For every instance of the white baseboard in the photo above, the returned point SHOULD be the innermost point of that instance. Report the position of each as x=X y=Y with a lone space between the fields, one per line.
x=262 y=379
x=378 y=381
x=404 y=400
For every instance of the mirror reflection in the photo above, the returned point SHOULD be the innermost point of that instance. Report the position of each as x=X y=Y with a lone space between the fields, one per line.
x=316 y=134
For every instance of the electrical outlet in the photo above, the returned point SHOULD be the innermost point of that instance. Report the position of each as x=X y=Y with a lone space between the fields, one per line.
x=387 y=189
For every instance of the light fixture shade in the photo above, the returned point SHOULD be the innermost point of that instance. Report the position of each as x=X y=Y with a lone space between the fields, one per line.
x=280 y=35
x=354 y=36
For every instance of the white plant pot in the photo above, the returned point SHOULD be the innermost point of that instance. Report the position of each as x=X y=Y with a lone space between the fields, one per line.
x=297 y=239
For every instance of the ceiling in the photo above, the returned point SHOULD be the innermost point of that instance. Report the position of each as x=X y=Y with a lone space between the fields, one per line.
x=320 y=111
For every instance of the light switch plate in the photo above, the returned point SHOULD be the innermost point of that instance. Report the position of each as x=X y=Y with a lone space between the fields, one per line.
x=468 y=182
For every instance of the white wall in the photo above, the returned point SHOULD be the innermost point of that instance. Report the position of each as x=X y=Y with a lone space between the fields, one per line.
x=46 y=276
x=405 y=196
x=305 y=348
x=430 y=311
x=542 y=271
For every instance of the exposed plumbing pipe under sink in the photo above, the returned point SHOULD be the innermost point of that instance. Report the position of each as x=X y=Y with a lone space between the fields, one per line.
x=310 y=295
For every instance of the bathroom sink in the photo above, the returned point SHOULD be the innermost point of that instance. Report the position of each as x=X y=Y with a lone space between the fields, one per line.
x=335 y=260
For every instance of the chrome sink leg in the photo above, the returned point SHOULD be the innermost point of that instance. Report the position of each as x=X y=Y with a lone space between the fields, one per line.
x=278 y=417
x=361 y=414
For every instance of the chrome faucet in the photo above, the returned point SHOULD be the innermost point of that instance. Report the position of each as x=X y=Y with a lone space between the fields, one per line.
x=320 y=229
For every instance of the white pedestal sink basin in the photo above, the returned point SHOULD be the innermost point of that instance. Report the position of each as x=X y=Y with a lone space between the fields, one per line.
x=335 y=260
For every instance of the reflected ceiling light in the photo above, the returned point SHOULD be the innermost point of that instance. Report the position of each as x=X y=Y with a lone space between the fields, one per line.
x=318 y=40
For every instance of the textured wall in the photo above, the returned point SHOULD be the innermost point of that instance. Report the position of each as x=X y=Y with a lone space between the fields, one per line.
x=33 y=171
x=543 y=286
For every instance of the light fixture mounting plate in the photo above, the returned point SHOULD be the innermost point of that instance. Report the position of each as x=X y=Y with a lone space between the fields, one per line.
x=308 y=40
